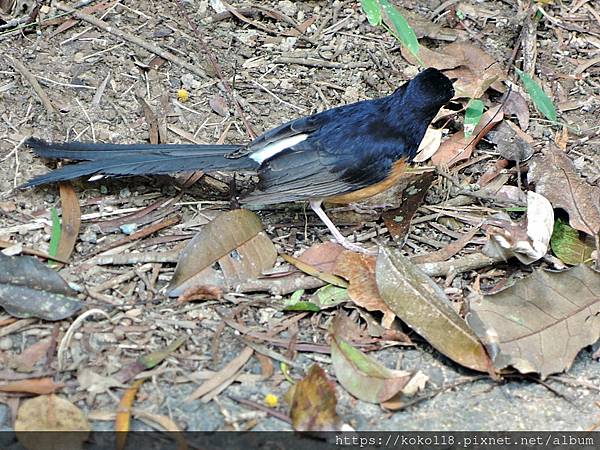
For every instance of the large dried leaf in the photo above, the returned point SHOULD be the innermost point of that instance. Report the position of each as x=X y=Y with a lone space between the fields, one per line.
x=556 y=179
x=541 y=322
x=363 y=376
x=314 y=403
x=511 y=142
x=423 y=306
x=53 y=414
x=236 y=242
x=28 y=288
x=359 y=270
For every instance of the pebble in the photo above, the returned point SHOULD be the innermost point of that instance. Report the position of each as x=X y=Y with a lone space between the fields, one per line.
x=288 y=8
x=6 y=343
x=89 y=236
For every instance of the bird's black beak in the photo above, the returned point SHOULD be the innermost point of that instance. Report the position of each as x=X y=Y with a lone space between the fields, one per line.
x=453 y=80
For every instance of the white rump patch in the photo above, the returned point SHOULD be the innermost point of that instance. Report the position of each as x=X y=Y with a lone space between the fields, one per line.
x=273 y=148
x=96 y=177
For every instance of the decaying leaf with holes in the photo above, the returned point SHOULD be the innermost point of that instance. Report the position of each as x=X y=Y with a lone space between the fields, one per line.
x=313 y=403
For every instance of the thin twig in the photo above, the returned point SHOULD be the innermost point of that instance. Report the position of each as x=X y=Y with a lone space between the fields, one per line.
x=34 y=83
x=133 y=39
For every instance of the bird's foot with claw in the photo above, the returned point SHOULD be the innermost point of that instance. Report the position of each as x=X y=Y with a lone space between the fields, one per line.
x=356 y=247
x=368 y=209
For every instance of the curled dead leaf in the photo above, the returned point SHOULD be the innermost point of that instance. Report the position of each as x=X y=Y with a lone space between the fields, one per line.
x=556 y=179
x=529 y=240
x=359 y=270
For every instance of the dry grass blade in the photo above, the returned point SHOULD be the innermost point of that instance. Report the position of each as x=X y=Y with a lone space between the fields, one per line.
x=123 y=417
x=223 y=377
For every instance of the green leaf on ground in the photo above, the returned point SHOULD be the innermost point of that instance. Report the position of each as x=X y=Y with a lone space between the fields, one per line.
x=540 y=99
x=401 y=29
x=55 y=234
x=472 y=116
x=371 y=9
x=363 y=376
x=568 y=246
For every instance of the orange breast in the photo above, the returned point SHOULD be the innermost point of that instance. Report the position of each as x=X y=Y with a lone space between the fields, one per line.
x=374 y=189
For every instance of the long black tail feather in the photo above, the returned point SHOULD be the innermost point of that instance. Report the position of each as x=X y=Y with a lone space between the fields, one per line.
x=134 y=159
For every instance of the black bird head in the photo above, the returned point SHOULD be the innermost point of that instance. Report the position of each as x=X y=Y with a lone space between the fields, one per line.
x=430 y=90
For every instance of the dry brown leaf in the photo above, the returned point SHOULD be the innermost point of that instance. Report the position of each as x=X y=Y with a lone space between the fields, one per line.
x=31 y=355
x=512 y=143
x=541 y=322
x=236 y=242
x=313 y=406
x=482 y=67
x=322 y=256
x=555 y=178
x=459 y=148
x=70 y=221
x=32 y=386
x=432 y=58
x=419 y=302
x=196 y=293
x=517 y=105
x=359 y=270
x=219 y=105
x=54 y=414
x=312 y=271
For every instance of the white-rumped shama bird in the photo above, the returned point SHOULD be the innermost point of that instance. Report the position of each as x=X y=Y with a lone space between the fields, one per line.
x=340 y=155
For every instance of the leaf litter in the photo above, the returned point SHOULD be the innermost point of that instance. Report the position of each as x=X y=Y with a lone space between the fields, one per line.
x=448 y=249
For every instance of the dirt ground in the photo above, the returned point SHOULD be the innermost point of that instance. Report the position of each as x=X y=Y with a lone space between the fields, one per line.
x=277 y=77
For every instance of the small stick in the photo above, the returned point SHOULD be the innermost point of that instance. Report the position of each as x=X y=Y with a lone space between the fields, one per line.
x=151 y=229
x=33 y=81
